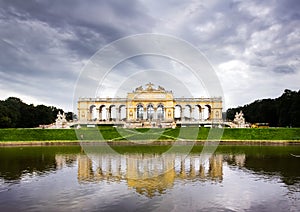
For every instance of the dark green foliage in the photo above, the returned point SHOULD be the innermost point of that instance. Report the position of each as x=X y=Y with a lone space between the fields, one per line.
x=283 y=111
x=16 y=114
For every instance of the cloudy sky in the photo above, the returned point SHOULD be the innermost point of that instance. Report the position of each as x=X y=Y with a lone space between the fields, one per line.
x=254 y=46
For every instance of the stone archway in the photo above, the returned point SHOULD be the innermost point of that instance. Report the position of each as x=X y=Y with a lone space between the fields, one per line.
x=198 y=113
x=188 y=112
x=112 y=113
x=150 y=111
x=122 y=113
x=160 y=112
x=207 y=112
x=139 y=112
x=93 y=113
x=177 y=112
x=102 y=113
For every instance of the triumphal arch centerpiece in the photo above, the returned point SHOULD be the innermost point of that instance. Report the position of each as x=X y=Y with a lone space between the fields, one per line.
x=149 y=106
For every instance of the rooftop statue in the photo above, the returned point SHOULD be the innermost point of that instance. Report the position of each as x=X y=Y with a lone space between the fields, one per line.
x=139 y=88
x=160 y=88
x=149 y=86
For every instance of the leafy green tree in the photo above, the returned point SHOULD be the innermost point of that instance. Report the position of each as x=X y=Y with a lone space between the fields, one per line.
x=283 y=111
x=15 y=113
x=70 y=116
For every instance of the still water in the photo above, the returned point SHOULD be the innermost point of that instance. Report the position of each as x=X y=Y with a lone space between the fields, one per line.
x=234 y=178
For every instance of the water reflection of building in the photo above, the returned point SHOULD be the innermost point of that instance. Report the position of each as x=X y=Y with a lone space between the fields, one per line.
x=64 y=160
x=149 y=174
x=216 y=167
x=85 y=170
x=237 y=159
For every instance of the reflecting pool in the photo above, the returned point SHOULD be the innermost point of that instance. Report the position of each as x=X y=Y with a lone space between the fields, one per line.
x=234 y=178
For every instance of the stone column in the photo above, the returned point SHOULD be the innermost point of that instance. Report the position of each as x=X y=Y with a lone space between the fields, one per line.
x=200 y=114
x=192 y=115
x=100 y=114
x=155 y=114
x=107 y=114
x=125 y=113
x=117 y=113
x=97 y=110
x=134 y=115
x=145 y=113
x=182 y=114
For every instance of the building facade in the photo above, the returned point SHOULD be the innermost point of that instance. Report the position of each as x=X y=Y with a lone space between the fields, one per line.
x=149 y=104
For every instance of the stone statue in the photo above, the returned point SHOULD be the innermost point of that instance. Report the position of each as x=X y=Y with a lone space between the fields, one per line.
x=60 y=121
x=239 y=120
x=63 y=118
x=161 y=88
x=149 y=86
x=139 y=88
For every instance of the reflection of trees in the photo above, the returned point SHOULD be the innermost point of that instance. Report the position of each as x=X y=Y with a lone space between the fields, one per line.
x=283 y=165
x=15 y=162
x=286 y=166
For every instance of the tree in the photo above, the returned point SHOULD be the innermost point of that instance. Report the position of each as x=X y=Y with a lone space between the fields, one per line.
x=283 y=111
x=15 y=113
x=70 y=116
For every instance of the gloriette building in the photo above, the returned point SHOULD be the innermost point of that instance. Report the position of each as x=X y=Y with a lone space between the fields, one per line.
x=149 y=105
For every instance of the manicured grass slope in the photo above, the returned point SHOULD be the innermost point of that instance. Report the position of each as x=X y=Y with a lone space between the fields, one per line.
x=262 y=134
x=36 y=134
x=111 y=133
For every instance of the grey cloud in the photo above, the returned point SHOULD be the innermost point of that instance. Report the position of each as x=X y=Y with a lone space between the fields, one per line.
x=94 y=23
x=288 y=10
x=44 y=43
x=284 y=69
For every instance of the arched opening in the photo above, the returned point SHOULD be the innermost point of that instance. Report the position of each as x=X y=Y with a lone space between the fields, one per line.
x=160 y=112
x=122 y=113
x=139 y=112
x=150 y=112
x=177 y=112
x=112 y=113
x=207 y=112
x=187 y=112
x=93 y=112
x=102 y=113
x=197 y=112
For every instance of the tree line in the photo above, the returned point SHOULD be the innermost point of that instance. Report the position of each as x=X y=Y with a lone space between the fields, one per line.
x=16 y=114
x=283 y=111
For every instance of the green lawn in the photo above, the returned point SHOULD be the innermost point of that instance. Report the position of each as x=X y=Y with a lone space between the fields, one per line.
x=36 y=134
x=262 y=134
x=119 y=134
